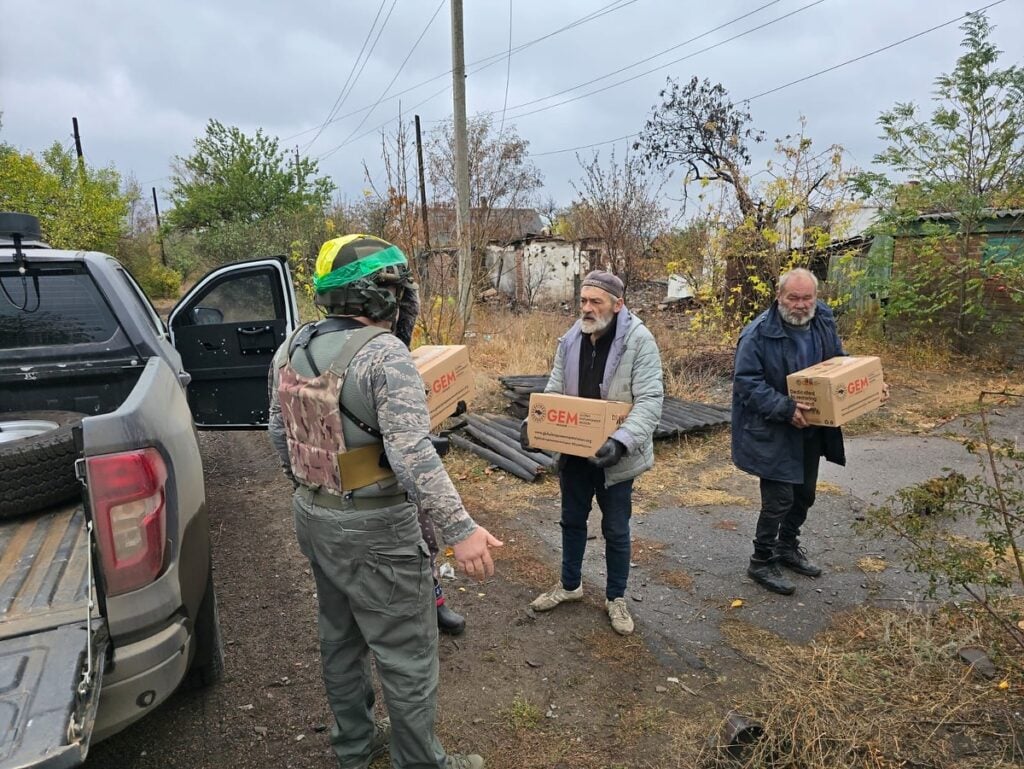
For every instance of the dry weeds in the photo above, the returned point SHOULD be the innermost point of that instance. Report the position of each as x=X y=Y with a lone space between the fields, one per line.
x=881 y=689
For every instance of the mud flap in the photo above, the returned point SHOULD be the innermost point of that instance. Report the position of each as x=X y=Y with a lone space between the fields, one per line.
x=49 y=689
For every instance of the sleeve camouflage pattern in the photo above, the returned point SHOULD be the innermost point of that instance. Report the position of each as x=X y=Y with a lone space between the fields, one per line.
x=384 y=369
x=275 y=424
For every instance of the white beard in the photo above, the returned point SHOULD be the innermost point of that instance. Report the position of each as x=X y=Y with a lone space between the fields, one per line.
x=797 y=321
x=598 y=324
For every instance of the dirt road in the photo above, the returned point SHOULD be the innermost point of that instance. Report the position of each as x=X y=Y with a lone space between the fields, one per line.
x=559 y=690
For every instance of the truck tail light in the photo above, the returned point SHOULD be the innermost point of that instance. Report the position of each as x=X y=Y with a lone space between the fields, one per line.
x=128 y=503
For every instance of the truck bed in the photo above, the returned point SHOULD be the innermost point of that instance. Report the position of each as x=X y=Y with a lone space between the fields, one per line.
x=44 y=574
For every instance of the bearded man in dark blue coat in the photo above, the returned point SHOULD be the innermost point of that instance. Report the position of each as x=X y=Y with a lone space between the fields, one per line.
x=771 y=437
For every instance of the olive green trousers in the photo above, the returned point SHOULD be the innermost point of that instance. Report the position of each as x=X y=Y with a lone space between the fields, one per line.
x=376 y=595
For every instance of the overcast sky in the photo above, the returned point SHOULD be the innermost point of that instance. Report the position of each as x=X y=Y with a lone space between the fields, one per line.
x=143 y=79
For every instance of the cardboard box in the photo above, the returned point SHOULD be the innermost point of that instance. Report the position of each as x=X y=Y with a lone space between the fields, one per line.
x=570 y=425
x=838 y=389
x=447 y=378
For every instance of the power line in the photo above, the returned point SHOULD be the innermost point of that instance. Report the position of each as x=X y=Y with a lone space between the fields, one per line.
x=872 y=53
x=398 y=72
x=342 y=95
x=653 y=56
x=794 y=82
x=490 y=60
x=708 y=48
x=508 y=73
x=670 y=63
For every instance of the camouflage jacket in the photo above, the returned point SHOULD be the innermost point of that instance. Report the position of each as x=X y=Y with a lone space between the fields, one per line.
x=384 y=375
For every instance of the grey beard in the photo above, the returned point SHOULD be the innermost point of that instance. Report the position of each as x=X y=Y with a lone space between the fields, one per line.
x=793 y=321
x=592 y=326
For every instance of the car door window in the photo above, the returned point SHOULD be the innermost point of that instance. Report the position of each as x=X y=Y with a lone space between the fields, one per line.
x=240 y=300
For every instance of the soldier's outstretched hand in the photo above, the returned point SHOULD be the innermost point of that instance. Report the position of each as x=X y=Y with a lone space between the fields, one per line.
x=473 y=553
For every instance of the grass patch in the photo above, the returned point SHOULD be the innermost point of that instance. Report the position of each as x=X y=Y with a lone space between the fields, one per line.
x=521 y=714
x=879 y=689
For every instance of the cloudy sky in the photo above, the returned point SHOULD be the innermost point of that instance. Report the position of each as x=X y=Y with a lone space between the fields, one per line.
x=143 y=79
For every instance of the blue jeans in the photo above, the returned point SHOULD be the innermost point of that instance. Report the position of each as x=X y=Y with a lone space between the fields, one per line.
x=581 y=482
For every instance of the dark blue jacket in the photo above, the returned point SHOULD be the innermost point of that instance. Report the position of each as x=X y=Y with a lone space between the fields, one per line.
x=764 y=443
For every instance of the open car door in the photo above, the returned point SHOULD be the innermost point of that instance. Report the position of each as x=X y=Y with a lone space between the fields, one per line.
x=226 y=329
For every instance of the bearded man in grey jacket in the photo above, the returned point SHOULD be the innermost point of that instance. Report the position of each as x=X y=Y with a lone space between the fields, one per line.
x=609 y=354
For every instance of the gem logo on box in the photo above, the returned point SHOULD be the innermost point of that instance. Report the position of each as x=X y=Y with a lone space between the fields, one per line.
x=442 y=383
x=562 y=417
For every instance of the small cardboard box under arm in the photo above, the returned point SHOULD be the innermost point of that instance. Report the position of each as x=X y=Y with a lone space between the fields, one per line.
x=447 y=378
x=570 y=425
x=838 y=389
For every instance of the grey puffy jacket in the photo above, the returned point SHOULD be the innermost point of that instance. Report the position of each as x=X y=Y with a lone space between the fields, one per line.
x=631 y=375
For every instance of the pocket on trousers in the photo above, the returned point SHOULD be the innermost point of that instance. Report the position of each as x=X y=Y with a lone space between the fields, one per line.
x=394 y=580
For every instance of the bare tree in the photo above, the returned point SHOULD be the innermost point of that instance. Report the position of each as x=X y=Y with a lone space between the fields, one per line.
x=619 y=206
x=502 y=178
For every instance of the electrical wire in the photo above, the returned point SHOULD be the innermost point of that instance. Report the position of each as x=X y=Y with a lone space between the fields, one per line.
x=490 y=60
x=343 y=94
x=871 y=53
x=670 y=63
x=793 y=82
x=599 y=90
x=654 y=56
x=508 y=73
x=398 y=72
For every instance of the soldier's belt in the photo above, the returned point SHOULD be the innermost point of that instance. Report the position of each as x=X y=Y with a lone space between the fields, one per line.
x=362 y=467
x=334 y=502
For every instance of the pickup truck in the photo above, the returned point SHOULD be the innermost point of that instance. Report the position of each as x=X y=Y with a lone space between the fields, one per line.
x=107 y=601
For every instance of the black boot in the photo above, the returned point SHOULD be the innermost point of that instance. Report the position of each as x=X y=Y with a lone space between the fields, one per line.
x=792 y=556
x=448 y=621
x=766 y=573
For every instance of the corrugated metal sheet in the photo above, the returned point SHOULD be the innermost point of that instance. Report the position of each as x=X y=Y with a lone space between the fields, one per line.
x=990 y=213
x=43 y=568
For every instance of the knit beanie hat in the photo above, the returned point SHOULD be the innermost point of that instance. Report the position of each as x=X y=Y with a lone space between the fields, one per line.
x=605 y=281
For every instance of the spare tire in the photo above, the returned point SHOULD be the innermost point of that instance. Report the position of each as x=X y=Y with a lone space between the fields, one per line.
x=37 y=460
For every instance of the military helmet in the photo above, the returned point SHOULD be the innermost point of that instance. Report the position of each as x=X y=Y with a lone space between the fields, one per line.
x=352 y=275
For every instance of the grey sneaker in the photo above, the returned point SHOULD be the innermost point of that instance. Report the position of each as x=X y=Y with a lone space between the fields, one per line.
x=459 y=761
x=556 y=595
x=618 y=612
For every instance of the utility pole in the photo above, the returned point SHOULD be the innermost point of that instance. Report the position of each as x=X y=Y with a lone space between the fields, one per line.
x=461 y=164
x=159 y=232
x=78 y=146
x=423 y=185
x=298 y=176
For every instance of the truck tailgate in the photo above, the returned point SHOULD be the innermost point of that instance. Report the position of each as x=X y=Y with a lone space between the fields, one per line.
x=44 y=570
x=51 y=658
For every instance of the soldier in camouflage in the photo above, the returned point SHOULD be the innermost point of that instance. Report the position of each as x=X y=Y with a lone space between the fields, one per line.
x=340 y=388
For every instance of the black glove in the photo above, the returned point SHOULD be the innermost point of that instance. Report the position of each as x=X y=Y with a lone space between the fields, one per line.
x=610 y=453
x=524 y=438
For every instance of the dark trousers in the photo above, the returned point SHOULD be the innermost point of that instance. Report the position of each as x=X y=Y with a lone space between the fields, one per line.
x=581 y=482
x=784 y=506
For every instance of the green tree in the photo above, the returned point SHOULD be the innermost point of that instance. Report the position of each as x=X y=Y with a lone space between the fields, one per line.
x=965 y=158
x=77 y=206
x=234 y=178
